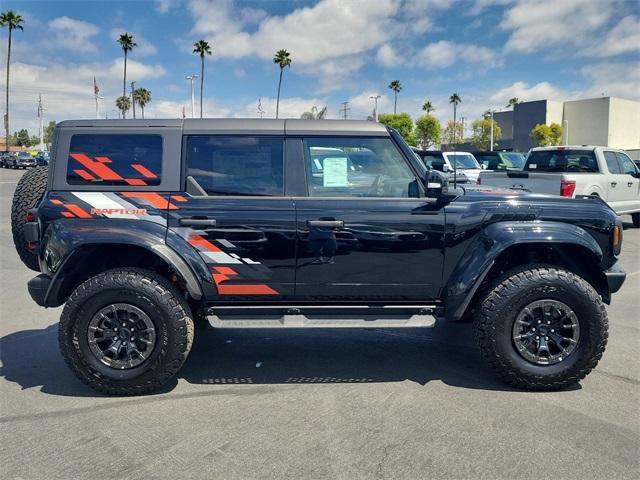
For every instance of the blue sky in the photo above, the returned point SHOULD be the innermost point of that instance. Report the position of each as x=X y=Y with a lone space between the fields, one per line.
x=343 y=50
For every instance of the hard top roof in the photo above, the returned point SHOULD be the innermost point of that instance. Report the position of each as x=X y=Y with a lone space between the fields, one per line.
x=242 y=125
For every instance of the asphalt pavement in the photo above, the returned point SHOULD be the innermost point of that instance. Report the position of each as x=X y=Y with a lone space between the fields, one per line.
x=346 y=404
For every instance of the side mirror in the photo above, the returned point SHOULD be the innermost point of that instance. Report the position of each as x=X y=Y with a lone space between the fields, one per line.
x=436 y=183
x=483 y=166
x=445 y=168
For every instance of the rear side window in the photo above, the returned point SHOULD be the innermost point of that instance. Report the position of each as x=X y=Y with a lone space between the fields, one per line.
x=612 y=162
x=572 y=161
x=122 y=159
x=234 y=165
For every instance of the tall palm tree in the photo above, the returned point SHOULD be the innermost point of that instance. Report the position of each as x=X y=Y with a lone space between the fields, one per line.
x=127 y=43
x=314 y=114
x=142 y=97
x=455 y=99
x=202 y=48
x=512 y=102
x=396 y=86
x=283 y=59
x=14 y=21
x=124 y=104
x=428 y=107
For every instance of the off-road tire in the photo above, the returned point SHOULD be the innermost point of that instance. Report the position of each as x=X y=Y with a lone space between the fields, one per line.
x=146 y=290
x=28 y=193
x=514 y=290
x=635 y=218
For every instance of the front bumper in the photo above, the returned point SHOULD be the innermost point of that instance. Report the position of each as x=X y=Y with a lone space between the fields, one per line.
x=615 y=277
x=38 y=288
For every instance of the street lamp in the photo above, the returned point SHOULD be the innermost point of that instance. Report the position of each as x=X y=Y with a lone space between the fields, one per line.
x=191 y=78
x=490 y=112
x=375 y=108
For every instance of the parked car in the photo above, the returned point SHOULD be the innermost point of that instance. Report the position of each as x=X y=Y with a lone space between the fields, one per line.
x=156 y=244
x=500 y=160
x=602 y=172
x=20 y=159
x=42 y=158
x=3 y=158
x=435 y=159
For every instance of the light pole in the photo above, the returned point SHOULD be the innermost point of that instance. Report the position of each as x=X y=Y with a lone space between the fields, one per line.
x=191 y=78
x=375 y=108
x=490 y=112
x=566 y=132
x=133 y=98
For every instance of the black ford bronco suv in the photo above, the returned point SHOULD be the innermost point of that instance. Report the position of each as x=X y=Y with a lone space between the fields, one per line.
x=144 y=227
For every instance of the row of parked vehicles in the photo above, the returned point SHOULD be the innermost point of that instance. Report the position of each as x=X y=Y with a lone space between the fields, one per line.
x=569 y=171
x=23 y=159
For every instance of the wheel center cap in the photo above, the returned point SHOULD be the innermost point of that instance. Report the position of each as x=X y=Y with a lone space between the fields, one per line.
x=124 y=334
x=543 y=329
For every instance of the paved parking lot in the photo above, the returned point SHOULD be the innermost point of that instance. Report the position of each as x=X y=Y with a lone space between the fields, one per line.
x=313 y=404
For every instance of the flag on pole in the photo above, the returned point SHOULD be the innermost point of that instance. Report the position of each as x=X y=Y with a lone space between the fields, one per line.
x=96 y=90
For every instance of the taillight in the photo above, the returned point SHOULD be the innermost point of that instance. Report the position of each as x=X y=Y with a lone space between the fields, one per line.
x=616 y=236
x=32 y=246
x=567 y=187
x=31 y=217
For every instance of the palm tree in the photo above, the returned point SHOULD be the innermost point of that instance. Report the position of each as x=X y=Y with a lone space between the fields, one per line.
x=126 y=42
x=396 y=86
x=13 y=21
x=512 y=102
x=455 y=99
x=202 y=48
x=142 y=97
x=124 y=104
x=314 y=114
x=283 y=59
x=427 y=107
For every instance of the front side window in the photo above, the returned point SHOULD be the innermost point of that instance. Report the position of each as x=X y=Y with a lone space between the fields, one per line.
x=627 y=164
x=357 y=167
x=236 y=165
x=119 y=159
x=612 y=162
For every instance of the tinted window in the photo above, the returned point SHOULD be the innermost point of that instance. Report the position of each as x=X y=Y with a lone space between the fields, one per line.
x=612 y=162
x=627 y=164
x=115 y=159
x=462 y=160
x=236 y=165
x=576 y=161
x=357 y=167
x=433 y=160
x=491 y=161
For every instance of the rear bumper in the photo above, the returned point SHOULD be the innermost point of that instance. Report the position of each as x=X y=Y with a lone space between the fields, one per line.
x=38 y=288
x=615 y=277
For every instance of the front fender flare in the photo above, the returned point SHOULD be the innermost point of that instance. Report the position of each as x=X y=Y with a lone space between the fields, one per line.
x=477 y=260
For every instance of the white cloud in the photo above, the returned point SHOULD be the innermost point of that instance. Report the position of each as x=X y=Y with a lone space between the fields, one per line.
x=623 y=38
x=73 y=34
x=289 y=107
x=173 y=109
x=362 y=105
x=619 y=79
x=143 y=47
x=443 y=54
x=535 y=26
x=527 y=93
x=165 y=6
x=333 y=74
x=388 y=57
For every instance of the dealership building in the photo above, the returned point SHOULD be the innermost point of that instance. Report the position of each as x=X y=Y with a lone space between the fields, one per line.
x=605 y=121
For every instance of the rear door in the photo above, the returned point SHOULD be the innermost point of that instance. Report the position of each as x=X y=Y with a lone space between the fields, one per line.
x=616 y=181
x=630 y=184
x=234 y=213
x=364 y=232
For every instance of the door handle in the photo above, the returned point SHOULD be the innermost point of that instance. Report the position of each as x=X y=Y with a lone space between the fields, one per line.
x=613 y=184
x=629 y=184
x=325 y=223
x=198 y=222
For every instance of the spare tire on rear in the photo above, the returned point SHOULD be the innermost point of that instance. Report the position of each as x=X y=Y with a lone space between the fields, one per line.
x=28 y=194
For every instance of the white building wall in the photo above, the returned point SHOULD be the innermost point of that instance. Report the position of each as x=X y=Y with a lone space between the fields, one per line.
x=588 y=121
x=624 y=124
x=554 y=112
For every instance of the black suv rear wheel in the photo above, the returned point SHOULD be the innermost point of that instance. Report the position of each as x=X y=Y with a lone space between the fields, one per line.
x=125 y=331
x=542 y=327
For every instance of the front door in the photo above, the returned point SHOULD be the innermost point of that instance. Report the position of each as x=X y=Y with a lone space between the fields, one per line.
x=364 y=235
x=234 y=214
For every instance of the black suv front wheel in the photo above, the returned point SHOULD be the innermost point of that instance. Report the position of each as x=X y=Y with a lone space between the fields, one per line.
x=542 y=327
x=125 y=331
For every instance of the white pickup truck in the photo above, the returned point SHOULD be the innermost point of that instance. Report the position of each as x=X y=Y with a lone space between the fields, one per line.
x=604 y=172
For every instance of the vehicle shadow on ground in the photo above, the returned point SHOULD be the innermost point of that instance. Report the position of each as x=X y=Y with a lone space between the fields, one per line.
x=446 y=353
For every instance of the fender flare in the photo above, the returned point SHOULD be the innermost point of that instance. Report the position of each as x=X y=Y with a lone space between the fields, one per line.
x=480 y=256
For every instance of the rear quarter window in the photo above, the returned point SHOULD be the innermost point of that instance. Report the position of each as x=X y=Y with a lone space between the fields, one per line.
x=115 y=159
x=569 y=161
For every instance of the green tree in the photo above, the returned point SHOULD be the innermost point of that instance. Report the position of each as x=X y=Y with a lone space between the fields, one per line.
x=396 y=86
x=428 y=107
x=127 y=43
x=452 y=135
x=455 y=100
x=124 y=104
x=314 y=114
x=402 y=123
x=202 y=48
x=481 y=133
x=512 y=102
x=428 y=131
x=34 y=140
x=283 y=59
x=142 y=97
x=13 y=21
x=546 y=135
x=48 y=131
x=22 y=138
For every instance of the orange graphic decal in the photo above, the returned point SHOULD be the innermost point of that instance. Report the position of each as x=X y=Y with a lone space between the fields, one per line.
x=178 y=198
x=103 y=159
x=143 y=170
x=75 y=209
x=153 y=198
x=135 y=181
x=200 y=241
x=221 y=274
x=83 y=174
x=100 y=169
x=67 y=214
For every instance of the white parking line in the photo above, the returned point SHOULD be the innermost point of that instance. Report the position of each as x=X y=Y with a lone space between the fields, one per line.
x=13 y=183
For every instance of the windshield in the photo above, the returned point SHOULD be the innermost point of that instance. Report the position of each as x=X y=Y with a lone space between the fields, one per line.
x=562 y=161
x=462 y=160
x=24 y=155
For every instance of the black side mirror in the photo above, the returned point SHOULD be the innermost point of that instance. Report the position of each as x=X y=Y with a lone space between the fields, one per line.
x=436 y=183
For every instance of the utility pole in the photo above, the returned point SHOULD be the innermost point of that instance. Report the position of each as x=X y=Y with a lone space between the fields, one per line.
x=133 y=98
x=375 y=107
x=260 y=110
x=462 y=119
x=191 y=78
x=491 y=116
x=41 y=117
x=345 y=108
